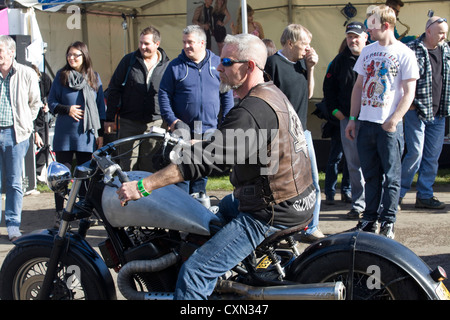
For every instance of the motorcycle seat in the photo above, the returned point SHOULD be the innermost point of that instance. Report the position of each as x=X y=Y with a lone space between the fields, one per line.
x=283 y=234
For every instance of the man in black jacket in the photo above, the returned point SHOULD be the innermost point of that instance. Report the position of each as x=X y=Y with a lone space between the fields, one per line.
x=133 y=96
x=337 y=90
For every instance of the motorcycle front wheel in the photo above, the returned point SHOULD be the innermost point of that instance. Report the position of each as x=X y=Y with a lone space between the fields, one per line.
x=373 y=277
x=23 y=273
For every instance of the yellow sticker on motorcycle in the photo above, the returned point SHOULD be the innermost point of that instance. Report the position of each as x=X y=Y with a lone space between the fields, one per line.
x=442 y=292
x=264 y=263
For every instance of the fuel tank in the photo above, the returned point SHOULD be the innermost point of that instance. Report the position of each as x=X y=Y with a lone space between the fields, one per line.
x=168 y=208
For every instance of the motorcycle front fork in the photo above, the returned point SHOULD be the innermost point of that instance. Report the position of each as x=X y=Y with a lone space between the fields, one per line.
x=58 y=243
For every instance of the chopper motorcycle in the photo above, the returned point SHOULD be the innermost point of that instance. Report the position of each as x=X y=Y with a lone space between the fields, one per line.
x=148 y=240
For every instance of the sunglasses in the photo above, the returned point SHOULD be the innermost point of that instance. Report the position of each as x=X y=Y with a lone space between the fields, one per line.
x=440 y=20
x=227 y=62
x=75 y=56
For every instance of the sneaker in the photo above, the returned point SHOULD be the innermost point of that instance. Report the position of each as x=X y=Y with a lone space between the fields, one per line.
x=312 y=237
x=354 y=214
x=13 y=233
x=399 y=207
x=346 y=198
x=329 y=200
x=387 y=229
x=432 y=203
x=367 y=226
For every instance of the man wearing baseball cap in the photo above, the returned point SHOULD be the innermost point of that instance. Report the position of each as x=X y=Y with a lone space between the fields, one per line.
x=337 y=90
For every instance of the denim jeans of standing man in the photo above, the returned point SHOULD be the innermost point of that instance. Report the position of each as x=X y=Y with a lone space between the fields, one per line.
x=314 y=225
x=232 y=244
x=380 y=156
x=354 y=167
x=12 y=156
x=335 y=158
x=423 y=142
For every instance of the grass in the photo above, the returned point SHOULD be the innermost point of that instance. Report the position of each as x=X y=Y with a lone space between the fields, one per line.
x=223 y=182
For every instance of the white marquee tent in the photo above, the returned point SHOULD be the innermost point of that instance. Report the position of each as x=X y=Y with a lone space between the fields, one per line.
x=100 y=23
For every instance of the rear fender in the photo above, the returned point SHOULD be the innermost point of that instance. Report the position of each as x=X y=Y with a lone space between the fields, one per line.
x=388 y=249
x=81 y=250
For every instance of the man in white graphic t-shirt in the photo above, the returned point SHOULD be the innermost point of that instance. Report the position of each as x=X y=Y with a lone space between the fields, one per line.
x=383 y=92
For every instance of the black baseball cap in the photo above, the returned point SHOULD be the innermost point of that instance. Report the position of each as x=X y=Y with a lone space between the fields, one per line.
x=355 y=27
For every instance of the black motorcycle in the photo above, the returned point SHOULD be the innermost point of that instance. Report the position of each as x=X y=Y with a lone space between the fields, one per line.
x=148 y=240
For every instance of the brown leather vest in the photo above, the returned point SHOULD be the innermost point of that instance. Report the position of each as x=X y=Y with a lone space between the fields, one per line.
x=288 y=172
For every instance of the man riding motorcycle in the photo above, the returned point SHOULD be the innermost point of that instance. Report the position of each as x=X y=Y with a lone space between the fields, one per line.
x=269 y=194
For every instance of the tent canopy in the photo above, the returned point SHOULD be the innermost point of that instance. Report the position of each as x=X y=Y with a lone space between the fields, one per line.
x=100 y=23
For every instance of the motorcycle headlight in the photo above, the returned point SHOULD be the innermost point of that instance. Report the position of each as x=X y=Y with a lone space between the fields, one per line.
x=58 y=177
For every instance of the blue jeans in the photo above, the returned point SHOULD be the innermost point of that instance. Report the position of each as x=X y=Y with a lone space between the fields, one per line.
x=423 y=141
x=12 y=155
x=314 y=224
x=194 y=186
x=332 y=170
x=354 y=167
x=380 y=155
x=233 y=243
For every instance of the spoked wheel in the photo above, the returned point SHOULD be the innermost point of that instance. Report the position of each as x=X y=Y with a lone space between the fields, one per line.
x=373 y=278
x=30 y=277
x=23 y=273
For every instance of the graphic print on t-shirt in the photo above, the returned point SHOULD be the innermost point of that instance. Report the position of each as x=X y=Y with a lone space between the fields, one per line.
x=378 y=89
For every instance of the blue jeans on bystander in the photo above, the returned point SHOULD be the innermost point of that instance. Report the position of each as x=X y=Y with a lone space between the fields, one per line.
x=423 y=141
x=380 y=156
x=12 y=155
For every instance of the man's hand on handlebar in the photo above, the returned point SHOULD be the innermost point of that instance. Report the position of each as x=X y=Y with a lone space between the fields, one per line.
x=127 y=192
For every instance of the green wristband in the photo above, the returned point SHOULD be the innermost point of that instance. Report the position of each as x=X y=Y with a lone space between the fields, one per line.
x=141 y=188
x=351 y=118
x=335 y=111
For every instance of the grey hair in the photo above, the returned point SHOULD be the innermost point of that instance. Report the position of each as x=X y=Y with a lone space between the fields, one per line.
x=294 y=32
x=197 y=30
x=9 y=43
x=248 y=47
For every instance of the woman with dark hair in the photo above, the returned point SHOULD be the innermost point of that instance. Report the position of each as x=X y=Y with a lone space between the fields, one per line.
x=77 y=99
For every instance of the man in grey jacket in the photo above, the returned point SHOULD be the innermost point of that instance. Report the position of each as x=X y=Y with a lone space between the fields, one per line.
x=20 y=102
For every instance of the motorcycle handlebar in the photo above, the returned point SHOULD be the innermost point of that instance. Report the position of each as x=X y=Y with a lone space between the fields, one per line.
x=154 y=133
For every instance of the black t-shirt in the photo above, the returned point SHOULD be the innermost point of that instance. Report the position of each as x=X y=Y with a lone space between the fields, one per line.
x=291 y=78
x=437 y=77
x=219 y=154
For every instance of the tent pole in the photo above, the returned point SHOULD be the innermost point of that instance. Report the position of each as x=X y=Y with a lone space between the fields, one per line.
x=290 y=11
x=84 y=26
x=244 y=16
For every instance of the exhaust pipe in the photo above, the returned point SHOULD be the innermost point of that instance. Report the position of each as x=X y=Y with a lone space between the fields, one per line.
x=141 y=266
x=313 y=291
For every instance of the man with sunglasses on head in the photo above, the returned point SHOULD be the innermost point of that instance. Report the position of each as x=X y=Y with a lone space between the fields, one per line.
x=292 y=70
x=189 y=96
x=383 y=92
x=425 y=120
x=268 y=195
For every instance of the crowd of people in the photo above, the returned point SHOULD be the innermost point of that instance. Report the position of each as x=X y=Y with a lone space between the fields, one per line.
x=388 y=102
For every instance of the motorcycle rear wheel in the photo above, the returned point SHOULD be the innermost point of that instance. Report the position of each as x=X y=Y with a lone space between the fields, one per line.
x=389 y=282
x=23 y=273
